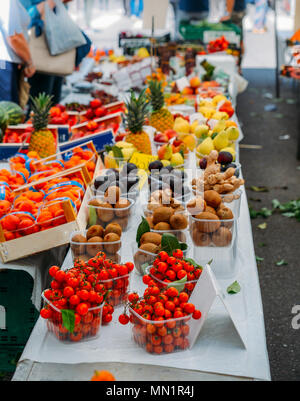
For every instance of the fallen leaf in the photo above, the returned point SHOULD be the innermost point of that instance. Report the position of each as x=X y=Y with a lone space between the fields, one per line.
x=262 y=226
x=259 y=189
x=234 y=288
x=282 y=262
x=262 y=244
x=258 y=259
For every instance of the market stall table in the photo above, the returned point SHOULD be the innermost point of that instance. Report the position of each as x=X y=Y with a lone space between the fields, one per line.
x=217 y=355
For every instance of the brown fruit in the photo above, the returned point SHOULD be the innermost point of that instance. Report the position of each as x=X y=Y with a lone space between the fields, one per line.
x=225 y=213
x=200 y=239
x=112 y=195
x=153 y=238
x=95 y=202
x=178 y=221
x=141 y=257
x=94 y=245
x=77 y=248
x=94 y=231
x=113 y=228
x=162 y=226
x=212 y=198
x=105 y=212
x=222 y=237
x=150 y=221
x=210 y=209
x=122 y=204
x=123 y=223
x=207 y=226
x=149 y=247
x=112 y=248
x=162 y=214
x=196 y=206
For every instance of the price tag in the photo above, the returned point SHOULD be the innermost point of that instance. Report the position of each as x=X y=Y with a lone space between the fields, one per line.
x=141 y=160
x=182 y=83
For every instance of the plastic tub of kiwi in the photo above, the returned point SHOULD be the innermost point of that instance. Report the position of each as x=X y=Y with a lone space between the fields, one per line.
x=145 y=255
x=87 y=244
x=107 y=210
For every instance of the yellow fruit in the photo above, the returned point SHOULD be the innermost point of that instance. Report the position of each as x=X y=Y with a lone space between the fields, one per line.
x=181 y=125
x=207 y=112
x=176 y=159
x=194 y=126
x=128 y=152
x=190 y=142
x=233 y=133
x=201 y=130
x=219 y=98
x=123 y=144
x=220 y=115
x=141 y=142
x=166 y=163
x=221 y=140
x=220 y=126
x=206 y=146
x=109 y=160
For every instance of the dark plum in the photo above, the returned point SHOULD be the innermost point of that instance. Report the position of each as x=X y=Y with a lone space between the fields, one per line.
x=202 y=164
x=100 y=180
x=129 y=168
x=155 y=165
x=225 y=158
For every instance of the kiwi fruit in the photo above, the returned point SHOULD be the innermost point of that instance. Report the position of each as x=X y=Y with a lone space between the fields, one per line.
x=94 y=246
x=225 y=214
x=122 y=204
x=150 y=221
x=123 y=223
x=104 y=213
x=94 y=231
x=149 y=247
x=112 y=248
x=112 y=194
x=196 y=206
x=178 y=221
x=153 y=238
x=210 y=209
x=200 y=239
x=207 y=226
x=162 y=226
x=113 y=228
x=222 y=237
x=212 y=198
x=76 y=248
x=94 y=202
x=162 y=214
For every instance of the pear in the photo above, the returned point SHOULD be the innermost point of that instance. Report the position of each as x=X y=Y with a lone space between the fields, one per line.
x=221 y=140
x=206 y=146
x=181 y=125
x=220 y=115
x=194 y=126
x=220 y=126
x=177 y=159
x=201 y=130
x=233 y=133
x=219 y=98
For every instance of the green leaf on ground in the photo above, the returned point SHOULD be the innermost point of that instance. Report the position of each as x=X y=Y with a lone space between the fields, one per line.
x=259 y=189
x=234 y=288
x=262 y=244
x=281 y=262
x=68 y=319
x=263 y=212
x=258 y=259
x=262 y=226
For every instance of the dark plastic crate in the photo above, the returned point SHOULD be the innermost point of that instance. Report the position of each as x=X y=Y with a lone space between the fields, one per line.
x=9 y=357
x=17 y=313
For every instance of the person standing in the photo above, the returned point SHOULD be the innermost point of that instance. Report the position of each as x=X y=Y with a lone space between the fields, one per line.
x=14 y=49
x=260 y=18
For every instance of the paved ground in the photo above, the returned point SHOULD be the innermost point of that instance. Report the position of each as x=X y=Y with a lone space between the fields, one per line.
x=274 y=166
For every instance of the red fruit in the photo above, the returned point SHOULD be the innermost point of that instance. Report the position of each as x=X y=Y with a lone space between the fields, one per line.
x=170 y=306
x=163 y=256
x=178 y=254
x=130 y=266
x=107 y=318
x=10 y=222
x=82 y=309
x=84 y=295
x=171 y=275
x=74 y=300
x=100 y=112
x=60 y=276
x=134 y=297
x=95 y=103
x=172 y=292
x=181 y=274
x=171 y=260
x=46 y=313
x=53 y=270
x=197 y=314
x=162 y=267
x=183 y=297
x=189 y=308
x=123 y=319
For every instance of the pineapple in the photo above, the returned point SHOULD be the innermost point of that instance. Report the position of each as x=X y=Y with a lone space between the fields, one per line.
x=137 y=110
x=161 y=118
x=42 y=140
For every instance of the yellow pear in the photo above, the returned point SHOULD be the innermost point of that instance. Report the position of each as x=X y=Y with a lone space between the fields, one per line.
x=218 y=98
x=220 y=126
x=233 y=133
x=206 y=146
x=221 y=140
x=181 y=125
x=194 y=126
x=220 y=115
x=201 y=129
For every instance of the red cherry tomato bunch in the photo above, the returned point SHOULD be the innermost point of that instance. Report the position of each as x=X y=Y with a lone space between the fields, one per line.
x=168 y=269
x=113 y=276
x=218 y=45
x=96 y=110
x=81 y=289
x=160 y=319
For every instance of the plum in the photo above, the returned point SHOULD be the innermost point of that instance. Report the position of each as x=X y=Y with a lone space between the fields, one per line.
x=225 y=158
x=202 y=164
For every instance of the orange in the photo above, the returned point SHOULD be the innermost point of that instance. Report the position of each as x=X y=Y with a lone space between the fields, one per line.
x=10 y=222
x=102 y=376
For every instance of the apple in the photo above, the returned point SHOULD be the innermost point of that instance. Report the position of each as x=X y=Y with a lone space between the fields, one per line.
x=195 y=82
x=187 y=91
x=170 y=133
x=161 y=138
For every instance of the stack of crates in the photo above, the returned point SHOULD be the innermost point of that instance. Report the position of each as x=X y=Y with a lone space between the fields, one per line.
x=17 y=316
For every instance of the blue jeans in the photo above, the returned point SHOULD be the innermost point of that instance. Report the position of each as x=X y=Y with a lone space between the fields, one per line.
x=9 y=81
x=136 y=7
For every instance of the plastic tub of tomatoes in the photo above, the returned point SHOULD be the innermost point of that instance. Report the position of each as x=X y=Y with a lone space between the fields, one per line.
x=176 y=271
x=161 y=319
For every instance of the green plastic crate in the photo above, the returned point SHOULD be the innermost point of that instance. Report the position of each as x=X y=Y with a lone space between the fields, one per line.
x=17 y=313
x=9 y=357
x=199 y=29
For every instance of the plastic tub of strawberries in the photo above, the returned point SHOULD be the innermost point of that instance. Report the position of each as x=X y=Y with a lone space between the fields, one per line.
x=111 y=209
x=158 y=325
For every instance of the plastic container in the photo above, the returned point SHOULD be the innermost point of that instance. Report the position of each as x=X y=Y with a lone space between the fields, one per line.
x=143 y=259
x=104 y=215
x=87 y=250
x=18 y=224
x=112 y=161
x=132 y=194
x=51 y=214
x=161 y=337
x=118 y=289
x=82 y=332
x=187 y=286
